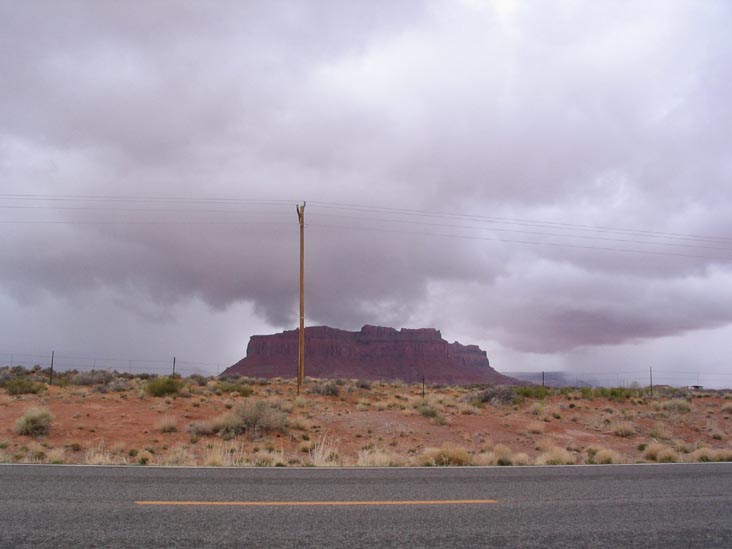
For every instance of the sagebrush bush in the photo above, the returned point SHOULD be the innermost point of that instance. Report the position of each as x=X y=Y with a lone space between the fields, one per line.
x=363 y=384
x=92 y=377
x=254 y=418
x=326 y=389
x=498 y=396
x=163 y=386
x=35 y=422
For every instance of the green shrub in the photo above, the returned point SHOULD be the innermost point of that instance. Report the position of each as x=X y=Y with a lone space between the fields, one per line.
x=532 y=391
x=163 y=386
x=35 y=422
x=21 y=386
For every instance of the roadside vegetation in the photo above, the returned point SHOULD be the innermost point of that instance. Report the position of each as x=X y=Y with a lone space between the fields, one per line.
x=106 y=417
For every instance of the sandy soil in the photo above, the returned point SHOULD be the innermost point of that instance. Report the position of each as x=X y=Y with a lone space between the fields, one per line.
x=386 y=424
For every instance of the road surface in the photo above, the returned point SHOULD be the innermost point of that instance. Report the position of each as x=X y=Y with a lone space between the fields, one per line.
x=582 y=506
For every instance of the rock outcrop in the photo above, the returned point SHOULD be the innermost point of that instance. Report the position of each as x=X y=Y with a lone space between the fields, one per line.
x=373 y=353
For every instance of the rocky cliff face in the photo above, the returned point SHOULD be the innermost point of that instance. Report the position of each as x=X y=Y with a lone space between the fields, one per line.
x=375 y=352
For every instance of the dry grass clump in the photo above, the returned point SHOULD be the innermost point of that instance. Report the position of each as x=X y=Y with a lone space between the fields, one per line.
x=500 y=455
x=624 y=429
x=556 y=456
x=201 y=428
x=536 y=427
x=660 y=453
x=726 y=408
x=703 y=454
x=667 y=455
x=167 y=424
x=324 y=453
x=225 y=454
x=651 y=451
x=178 y=456
x=675 y=405
x=378 y=458
x=660 y=432
x=34 y=422
x=607 y=456
x=99 y=455
x=447 y=455
x=536 y=408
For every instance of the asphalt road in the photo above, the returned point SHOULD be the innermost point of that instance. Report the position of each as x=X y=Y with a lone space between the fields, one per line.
x=598 y=506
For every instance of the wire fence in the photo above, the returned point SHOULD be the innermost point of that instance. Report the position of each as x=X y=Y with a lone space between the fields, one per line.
x=567 y=378
x=62 y=362
x=628 y=378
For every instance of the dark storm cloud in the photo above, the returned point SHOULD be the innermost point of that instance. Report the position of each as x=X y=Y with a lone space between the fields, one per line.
x=597 y=114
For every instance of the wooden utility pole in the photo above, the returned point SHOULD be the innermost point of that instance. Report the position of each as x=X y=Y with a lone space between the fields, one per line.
x=301 y=353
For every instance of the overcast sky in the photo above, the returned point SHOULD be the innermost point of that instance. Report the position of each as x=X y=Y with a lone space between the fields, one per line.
x=549 y=180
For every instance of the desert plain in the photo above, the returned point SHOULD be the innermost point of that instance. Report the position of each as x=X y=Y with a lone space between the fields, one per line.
x=118 y=419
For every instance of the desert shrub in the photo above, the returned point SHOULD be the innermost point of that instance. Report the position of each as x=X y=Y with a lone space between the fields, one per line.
x=243 y=389
x=163 y=386
x=427 y=410
x=363 y=384
x=500 y=455
x=21 y=386
x=91 y=377
x=120 y=384
x=326 y=389
x=556 y=456
x=624 y=429
x=35 y=422
x=727 y=408
x=253 y=418
x=447 y=455
x=198 y=379
x=498 y=396
x=5 y=376
x=675 y=405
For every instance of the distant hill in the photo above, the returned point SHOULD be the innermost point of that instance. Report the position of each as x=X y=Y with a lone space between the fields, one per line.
x=374 y=353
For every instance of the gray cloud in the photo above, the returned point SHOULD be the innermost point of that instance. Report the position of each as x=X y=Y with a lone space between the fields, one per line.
x=592 y=114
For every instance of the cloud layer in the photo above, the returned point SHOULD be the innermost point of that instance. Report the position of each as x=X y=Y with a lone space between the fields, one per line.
x=581 y=150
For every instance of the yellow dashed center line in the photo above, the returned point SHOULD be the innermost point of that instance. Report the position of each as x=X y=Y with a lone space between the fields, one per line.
x=319 y=503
